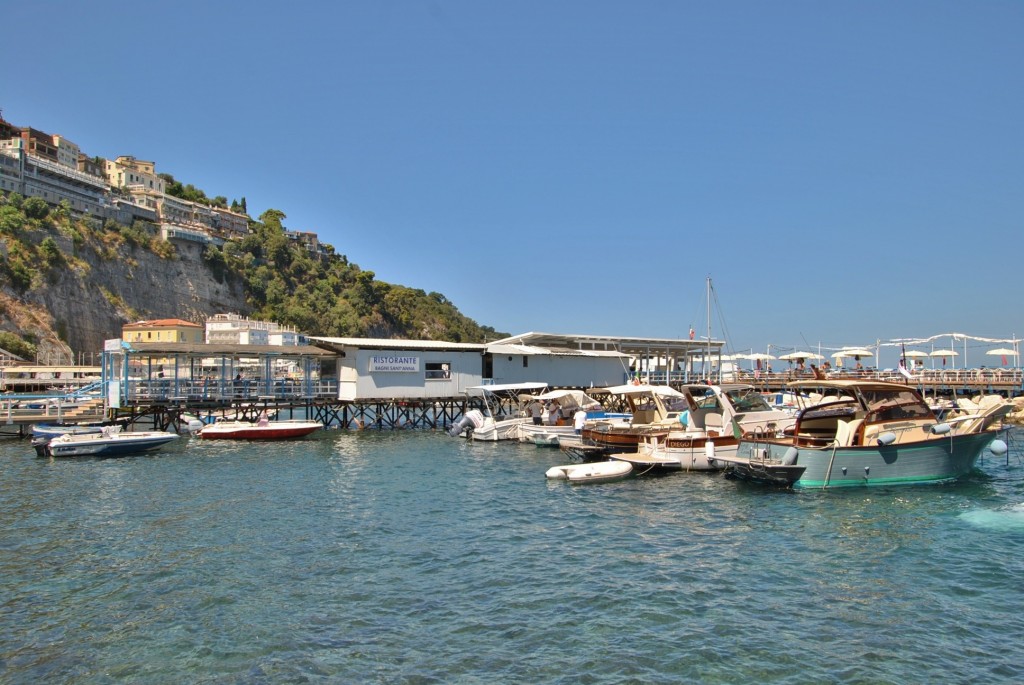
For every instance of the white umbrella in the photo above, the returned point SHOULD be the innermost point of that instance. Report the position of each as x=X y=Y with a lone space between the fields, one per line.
x=854 y=352
x=760 y=355
x=944 y=353
x=915 y=353
x=800 y=355
x=1004 y=352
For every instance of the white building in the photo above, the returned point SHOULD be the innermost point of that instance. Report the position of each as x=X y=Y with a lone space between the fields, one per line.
x=410 y=369
x=234 y=329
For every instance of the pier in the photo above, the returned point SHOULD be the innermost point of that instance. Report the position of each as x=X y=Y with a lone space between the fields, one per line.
x=158 y=411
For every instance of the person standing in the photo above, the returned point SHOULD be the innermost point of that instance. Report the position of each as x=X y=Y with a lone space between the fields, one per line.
x=536 y=411
x=578 y=420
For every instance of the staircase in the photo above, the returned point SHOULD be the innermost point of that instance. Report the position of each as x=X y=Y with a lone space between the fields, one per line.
x=90 y=410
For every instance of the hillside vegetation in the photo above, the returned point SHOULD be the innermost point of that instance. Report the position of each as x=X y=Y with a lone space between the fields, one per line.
x=72 y=283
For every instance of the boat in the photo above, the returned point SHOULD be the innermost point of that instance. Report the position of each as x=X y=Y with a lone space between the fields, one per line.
x=258 y=430
x=687 y=428
x=109 y=442
x=647 y=407
x=871 y=433
x=503 y=413
x=593 y=472
x=546 y=433
x=54 y=430
x=684 y=450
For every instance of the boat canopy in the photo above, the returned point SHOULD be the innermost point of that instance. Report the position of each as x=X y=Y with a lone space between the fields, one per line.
x=642 y=389
x=505 y=388
x=570 y=398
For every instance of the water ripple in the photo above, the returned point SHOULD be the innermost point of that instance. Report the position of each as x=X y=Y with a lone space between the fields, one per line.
x=411 y=557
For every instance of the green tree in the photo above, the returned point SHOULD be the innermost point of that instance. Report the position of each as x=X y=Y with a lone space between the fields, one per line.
x=36 y=208
x=51 y=253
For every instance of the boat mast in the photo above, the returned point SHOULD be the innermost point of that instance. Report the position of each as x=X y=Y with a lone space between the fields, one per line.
x=709 y=331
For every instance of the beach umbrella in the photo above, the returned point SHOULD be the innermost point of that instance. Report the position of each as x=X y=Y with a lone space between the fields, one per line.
x=915 y=354
x=853 y=352
x=943 y=354
x=1003 y=352
x=760 y=356
x=793 y=356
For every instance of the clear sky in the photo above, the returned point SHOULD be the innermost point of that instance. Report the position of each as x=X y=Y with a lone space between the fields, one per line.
x=844 y=172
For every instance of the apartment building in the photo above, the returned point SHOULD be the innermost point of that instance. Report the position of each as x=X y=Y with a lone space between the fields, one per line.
x=234 y=329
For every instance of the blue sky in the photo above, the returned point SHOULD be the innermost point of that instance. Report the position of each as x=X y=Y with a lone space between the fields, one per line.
x=844 y=172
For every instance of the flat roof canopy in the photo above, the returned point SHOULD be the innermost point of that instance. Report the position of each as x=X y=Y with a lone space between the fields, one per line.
x=226 y=350
x=635 y=347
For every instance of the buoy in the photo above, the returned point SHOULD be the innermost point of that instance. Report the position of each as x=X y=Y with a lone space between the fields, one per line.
x=709 y=450
x=940 y=428
x=998 y=448
x=790 y=457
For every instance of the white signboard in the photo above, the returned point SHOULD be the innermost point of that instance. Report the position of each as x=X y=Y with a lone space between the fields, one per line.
x=114 y=394
x=112 y=345
x=394 y=363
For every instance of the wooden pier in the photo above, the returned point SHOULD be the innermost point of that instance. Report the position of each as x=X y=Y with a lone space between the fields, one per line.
x=437 y=413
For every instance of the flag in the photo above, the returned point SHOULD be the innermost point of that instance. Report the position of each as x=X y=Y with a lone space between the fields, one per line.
x=902 y=366
x=692 y=332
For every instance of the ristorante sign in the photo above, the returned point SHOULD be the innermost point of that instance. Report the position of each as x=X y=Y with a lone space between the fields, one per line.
x=394 y=363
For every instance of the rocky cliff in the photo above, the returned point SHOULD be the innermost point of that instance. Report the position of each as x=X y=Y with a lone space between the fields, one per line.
x=99 y=286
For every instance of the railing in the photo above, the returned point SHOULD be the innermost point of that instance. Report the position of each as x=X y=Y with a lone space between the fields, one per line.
x=958 y=378
x=166 y=390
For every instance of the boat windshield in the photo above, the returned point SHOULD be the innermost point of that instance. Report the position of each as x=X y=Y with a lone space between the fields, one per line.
x=890 y=405
x=675 y=403
x=747 y=400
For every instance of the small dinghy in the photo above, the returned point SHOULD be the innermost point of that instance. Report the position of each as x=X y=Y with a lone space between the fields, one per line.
x=592 y=472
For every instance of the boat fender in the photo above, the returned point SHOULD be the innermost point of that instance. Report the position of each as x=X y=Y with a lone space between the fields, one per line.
x=790 y=457
x=709 y=450
x=940 y=428
x=998 y=448
x=887 y=438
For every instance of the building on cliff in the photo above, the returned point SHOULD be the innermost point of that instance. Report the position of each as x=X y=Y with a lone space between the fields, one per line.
x=234 y=329
x=34 y=163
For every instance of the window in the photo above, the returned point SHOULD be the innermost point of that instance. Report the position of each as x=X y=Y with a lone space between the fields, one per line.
x=438 y=370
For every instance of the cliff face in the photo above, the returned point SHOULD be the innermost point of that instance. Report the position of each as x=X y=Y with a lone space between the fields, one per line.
x=103 y=287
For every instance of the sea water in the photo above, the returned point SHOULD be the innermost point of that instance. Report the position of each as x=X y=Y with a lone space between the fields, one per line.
x=413 y=557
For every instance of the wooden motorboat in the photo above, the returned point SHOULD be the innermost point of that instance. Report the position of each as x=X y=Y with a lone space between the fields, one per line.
x=258 y=430
x=871 y=433
x=592 y=472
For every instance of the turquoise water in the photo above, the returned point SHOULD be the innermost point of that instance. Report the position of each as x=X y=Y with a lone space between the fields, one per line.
x=412 y=557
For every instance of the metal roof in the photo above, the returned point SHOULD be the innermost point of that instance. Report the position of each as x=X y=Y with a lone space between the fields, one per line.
x=626 y=345
x=226 y=350
x=394 y=344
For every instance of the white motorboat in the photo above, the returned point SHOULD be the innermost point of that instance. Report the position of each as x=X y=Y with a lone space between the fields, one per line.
x=592 y=472
x=110 y=442
x=503 y=411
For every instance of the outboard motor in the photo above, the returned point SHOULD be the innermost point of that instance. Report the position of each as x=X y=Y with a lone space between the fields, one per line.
x=40 y=443
x=472 y=419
